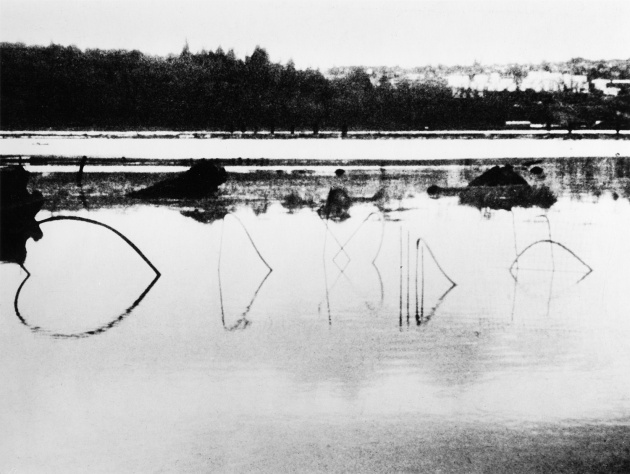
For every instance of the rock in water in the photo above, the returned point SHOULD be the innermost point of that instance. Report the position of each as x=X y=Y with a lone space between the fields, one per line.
x=499 y=176
x=202 y=179
x=504 y=188
x=337 y=205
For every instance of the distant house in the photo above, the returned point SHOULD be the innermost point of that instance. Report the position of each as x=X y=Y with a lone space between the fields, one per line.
x=546 y=81
x=538 y=81
x=611 y=87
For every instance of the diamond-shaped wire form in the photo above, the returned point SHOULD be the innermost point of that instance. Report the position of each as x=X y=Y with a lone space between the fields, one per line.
x=342 y=260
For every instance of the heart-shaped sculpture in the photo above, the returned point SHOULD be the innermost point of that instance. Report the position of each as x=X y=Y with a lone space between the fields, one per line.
x=100 y=328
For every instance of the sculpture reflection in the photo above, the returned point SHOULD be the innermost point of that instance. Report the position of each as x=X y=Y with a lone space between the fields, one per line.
x=342 y=265
x=420 y=315
x=242 y=322
x=100 y=329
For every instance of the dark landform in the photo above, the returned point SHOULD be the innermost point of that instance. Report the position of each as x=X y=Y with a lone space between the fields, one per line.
x=301 y=188
x=202 y=179
x=64 y=88
x=331 y=195
x=500 y=187
x=18 y=208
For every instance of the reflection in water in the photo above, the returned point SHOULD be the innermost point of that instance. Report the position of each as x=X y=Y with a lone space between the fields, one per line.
x=116 y=320
x=79 y=335
x=280 y=396
x=343 y=265
x=551 y=242
x=552 y=292
x=420 y=316
x=419 y=279
x=213 y=212
x=243 y=322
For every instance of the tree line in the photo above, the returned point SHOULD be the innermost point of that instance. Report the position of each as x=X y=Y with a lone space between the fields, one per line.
x=59 y=87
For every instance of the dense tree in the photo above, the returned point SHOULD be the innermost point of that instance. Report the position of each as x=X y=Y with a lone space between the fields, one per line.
x=60 y=87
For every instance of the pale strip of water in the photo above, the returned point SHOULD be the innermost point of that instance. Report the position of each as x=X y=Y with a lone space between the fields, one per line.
x=313 y=149
x=283 y=134
x=311 y=170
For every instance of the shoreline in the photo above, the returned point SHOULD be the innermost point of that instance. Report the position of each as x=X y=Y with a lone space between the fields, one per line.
x=536 y=133
x=104 y=186
x=68 y=164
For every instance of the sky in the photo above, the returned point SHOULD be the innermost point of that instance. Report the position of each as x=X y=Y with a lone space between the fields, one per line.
x=324 y=33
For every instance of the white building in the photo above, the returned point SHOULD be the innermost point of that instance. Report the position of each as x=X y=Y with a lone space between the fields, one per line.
x=546 y=81
x=610 y=87
x=535 y=80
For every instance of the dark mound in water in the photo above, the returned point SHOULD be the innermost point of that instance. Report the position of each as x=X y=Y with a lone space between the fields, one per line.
x=207 y=216
x=433 y=190
x=499 y=188
x=294 y=201
x=504 y=188
x=499 y=176
x=337 y=205
x=201 y=180
x=18 y=208
x=507 y=197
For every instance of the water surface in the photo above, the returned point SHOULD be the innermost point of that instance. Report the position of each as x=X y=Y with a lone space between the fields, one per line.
x=355 y=353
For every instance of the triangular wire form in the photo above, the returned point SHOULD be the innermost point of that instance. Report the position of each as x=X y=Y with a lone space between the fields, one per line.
x=514 y=274
x=116 y=321
x=243 y=322
x=422 y=315
x=551 y=243
x=589 y=270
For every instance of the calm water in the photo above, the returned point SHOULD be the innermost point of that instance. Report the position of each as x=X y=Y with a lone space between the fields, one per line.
x=356 y=352
x=305 y=148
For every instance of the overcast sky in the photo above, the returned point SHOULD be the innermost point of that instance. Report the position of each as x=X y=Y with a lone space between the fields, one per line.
x=325 y=33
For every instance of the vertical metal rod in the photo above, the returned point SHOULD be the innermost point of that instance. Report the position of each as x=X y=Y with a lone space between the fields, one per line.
x=422 y=292
x=400 y=282
x=416 y=289
x=408 y=265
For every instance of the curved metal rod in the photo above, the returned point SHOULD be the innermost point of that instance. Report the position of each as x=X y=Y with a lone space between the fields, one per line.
x=243 y=322
x=380 y=214
x=514 y=231
x=553 y=261
x=425 y=319
x=250 y=239
x=83 y=334
x=329 y=289
x=326 y=276
x=100 y=329
x=553 y=242
x=119 y=234
x=325 y=222
x=434 y=259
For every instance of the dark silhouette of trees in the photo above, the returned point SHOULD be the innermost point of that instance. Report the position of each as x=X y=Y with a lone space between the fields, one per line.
x=57 y=87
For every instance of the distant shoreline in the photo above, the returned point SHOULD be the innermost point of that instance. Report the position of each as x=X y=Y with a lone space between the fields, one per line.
x=57 y=164
x=351 y=135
